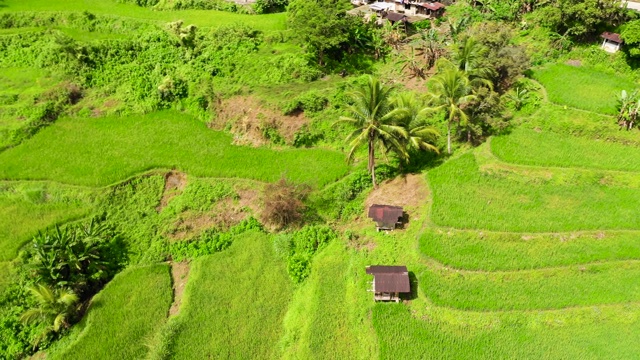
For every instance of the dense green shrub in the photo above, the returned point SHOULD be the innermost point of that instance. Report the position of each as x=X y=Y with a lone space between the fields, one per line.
x=303 y=245
x=81 y=257
x=211 y=241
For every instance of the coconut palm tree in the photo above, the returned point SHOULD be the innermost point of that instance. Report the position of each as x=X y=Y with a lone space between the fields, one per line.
x=469 y=57
x=450 y=90
x=412 y=116
x=55 y=307
x=373 y=116
x=430 y=46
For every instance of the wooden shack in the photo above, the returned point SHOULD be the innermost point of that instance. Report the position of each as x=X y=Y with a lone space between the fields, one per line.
x=389 y=282
x=611 y=42
x=386 y=217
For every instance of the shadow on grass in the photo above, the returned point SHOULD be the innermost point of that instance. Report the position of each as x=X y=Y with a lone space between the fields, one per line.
x=413 y=280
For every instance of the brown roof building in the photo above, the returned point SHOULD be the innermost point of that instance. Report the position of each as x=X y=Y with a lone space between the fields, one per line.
x=389 y=282
x=611 y=42
x=385 y=216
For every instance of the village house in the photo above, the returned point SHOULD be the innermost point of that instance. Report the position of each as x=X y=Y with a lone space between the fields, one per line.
x=611 y=42
x=412 y=10
x=386 y=217
x=389 y=282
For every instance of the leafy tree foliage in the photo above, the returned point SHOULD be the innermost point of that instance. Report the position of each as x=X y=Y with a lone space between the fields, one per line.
x=631 y=37
x=507 y=60
x=579 y=18
x=321 y=25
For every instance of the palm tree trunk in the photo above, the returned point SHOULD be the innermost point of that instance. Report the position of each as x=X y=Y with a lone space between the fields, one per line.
x=449 y=137
x=372 y=159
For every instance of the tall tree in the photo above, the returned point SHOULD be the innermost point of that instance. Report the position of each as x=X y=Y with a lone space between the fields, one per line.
x=430 y=46
x=321 y=25
x=469 y=56
x=412 y=116
x=450 y=90
x=373 y=116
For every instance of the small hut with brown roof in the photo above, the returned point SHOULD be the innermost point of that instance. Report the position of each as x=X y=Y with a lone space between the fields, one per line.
x=611 y=42
x=386 y=217
x=389 y=282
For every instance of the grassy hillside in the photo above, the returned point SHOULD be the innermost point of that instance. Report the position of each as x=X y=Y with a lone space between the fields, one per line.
x=209 y=18
x=234 y=303
x=106 y=150
x=583 y=88
x=26 y=208
x=466 y=198
x=124 y=316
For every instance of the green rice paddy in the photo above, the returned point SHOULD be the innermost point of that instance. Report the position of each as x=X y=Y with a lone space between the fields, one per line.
x=102 y=151
x=123 y=317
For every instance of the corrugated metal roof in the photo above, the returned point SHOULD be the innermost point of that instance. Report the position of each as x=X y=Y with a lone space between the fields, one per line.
x=386 y=216
x=433 y=6
x=611 y=36
x=390 y=279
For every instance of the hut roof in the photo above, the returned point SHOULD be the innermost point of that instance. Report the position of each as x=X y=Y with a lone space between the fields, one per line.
x=390 y=278
x=612 y=37
x=385 y=215
x=433 y=6
x=393 y=17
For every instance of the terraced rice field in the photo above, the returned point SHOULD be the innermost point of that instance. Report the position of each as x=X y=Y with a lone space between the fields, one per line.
x=532 y=251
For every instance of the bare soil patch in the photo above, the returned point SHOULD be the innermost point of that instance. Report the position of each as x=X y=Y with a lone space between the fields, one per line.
x=576 y=63
x=224 y=214
x=180 y=275
x=174 y=184
x=409 y=191
x=248 y=118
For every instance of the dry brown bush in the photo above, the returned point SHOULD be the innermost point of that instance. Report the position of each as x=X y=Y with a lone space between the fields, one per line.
x=284 y=203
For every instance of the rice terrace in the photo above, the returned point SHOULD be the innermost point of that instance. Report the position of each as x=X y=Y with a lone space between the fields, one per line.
x=319 y=179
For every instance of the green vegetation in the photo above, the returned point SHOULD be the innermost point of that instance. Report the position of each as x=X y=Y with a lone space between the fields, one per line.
x=521 y=242
x=234 y=303
x=209 y=18
x=583 y=285
x=608 y=331
x=490 y=251
x=106 y=150
x=466 y=198
x=583 y=88
x=138 y=297
x=28 y=207
x=530 y=147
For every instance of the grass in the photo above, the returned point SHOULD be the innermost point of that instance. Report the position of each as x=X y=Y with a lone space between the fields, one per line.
x=234 y=303
x=203 y=18
x=18 y=88
x=552 y=288
x=568 y=121
x=123 y=316
x=465 y=198
x=583 y=88
x=102 y=151
x=328 y=318
x=26 y=208
x=530 y=147
x=490 y=251
x=585 y=333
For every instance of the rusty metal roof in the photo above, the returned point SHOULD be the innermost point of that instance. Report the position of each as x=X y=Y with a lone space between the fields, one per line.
x=390 y=278
x=385 y=216
x=433 y=6
x=611 y=36
x=393 y=16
